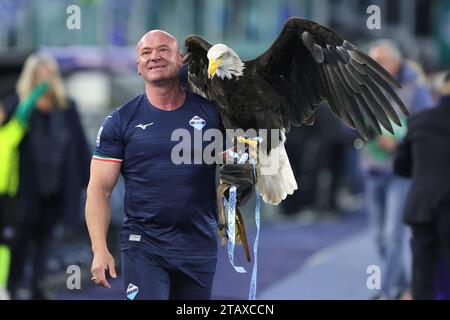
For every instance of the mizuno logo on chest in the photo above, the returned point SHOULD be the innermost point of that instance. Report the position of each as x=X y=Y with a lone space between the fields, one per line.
x=144 y=126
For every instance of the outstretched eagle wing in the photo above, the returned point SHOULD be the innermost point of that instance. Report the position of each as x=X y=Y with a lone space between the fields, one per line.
x=309 y=63
x=197 y=50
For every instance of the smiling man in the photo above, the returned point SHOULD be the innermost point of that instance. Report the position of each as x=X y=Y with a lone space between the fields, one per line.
x=169 y=243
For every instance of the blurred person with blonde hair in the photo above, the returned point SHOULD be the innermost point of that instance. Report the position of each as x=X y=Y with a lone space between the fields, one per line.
x=424 y=156
x=12 y=132
x=54 y=167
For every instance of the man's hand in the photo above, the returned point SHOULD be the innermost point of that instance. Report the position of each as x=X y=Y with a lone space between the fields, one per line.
x=103 y=261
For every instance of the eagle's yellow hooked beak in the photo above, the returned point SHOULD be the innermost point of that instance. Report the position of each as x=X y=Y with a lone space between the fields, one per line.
x=213 y=66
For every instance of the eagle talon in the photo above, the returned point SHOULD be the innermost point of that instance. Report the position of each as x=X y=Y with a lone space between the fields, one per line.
x=250 y=142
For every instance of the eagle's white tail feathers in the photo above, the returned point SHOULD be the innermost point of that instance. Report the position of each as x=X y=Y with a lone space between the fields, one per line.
x=276 y=185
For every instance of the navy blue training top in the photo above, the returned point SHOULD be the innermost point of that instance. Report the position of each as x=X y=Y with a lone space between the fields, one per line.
x=170 y=208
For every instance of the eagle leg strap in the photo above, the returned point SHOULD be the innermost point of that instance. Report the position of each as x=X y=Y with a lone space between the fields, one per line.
x=242 y=234
x=221 y=189
x=222 y=221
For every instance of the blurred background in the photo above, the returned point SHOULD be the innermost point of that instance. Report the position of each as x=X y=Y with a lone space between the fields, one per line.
x=318 y=244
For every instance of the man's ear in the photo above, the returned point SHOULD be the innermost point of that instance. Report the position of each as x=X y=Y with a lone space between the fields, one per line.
x=137 y=65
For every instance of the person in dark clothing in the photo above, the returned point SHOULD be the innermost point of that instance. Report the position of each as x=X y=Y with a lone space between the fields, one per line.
x=326 y=144
x=425 y=157
x=385 y=192
x=54 y=167
x=12 y=131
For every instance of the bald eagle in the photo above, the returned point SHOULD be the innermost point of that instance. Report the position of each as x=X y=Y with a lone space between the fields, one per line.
x=306 y=65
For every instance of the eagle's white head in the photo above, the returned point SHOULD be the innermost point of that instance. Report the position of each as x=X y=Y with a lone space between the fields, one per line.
x=224 y=62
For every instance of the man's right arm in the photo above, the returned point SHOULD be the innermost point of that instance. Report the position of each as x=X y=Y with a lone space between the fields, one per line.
x=103 y=178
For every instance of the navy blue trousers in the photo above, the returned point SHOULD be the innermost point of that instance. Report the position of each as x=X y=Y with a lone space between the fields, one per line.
x=152 y=277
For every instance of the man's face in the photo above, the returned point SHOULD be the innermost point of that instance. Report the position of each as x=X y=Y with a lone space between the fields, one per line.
x=158 y=57
x=381 y=56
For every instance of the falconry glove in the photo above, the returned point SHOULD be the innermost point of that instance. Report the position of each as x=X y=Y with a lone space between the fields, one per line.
x=241 y=176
